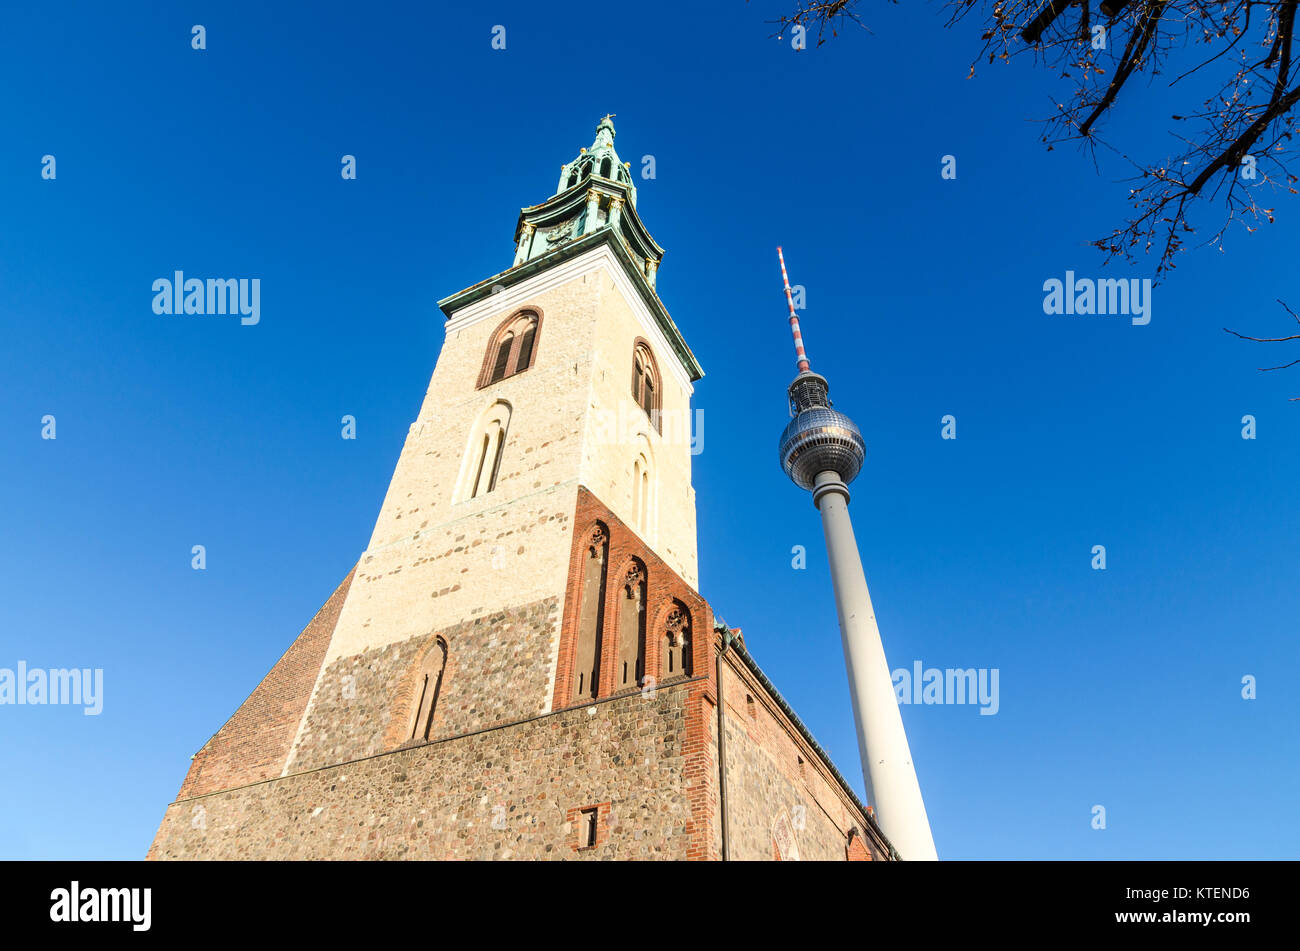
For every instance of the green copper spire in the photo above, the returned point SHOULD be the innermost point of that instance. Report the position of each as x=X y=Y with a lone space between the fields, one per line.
x=595 y=194
x=600 y=160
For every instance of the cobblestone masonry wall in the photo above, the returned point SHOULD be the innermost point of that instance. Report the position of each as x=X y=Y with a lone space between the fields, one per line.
x=496 y=673
x=759 y=796
x=775 y=779
x=511 y=792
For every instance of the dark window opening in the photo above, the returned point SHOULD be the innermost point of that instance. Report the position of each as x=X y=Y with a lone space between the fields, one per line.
x=512 y=349
x=503 y=358
x=645 y=389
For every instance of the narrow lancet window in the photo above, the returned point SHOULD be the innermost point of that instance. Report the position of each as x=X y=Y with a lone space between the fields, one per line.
x=591 y=620
x=631 y=628
x=428 y=687
x=645 y=383
x=675 y=648
x=483 y=456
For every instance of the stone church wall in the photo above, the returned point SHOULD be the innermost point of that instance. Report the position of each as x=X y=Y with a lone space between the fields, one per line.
x=513 y=792
x=496 y=672
x=778 y=789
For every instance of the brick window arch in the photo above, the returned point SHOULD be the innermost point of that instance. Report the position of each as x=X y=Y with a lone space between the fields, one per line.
x=646 y=382
x=856 y=850
x=428 y=687
x=585 y=681
x=630 y=669
x=512 y=348
x=675 y=644
x=481 y=464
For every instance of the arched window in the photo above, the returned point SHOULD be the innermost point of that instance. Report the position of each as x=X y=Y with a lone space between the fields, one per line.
x=428 y=686
x=641 y=493
x=511 y=348
x=605 y=167
x=481 y=466
x=645 y=382
x=504 y=349
x=591 y=620
x=631 y=628
x=642 y=513
x=675 y=649
x=573 y=179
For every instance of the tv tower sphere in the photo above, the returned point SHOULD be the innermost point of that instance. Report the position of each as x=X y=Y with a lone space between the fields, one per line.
x=819 y=439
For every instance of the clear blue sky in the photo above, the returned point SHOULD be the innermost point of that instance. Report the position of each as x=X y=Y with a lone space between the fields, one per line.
x=1118 y=687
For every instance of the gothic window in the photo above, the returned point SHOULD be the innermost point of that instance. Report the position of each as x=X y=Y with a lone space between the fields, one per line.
x=511 y=349
x=591 y=619
x=487 y=442
x=504 y=349
x=573 y=179
x=605 y=168
x=645 y=382
x=631 y=629
x=427 y=688
x=675 y=652
x=642 y=489
x=641 y=492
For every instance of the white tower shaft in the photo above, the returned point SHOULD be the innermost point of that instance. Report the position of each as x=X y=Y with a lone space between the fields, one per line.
x=892 y=787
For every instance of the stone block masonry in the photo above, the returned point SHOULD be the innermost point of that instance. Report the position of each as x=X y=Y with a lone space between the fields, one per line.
x=509 y=792
x=496 y=673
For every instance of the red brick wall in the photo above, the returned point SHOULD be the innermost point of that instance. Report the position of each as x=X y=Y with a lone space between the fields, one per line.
x=772 y=771
x=254 y=743
x=663 y=588
x=857 y=851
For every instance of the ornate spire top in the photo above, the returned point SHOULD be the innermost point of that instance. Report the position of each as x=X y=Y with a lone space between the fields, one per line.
x=595 y=192
x=606 y=128
x=599 y=161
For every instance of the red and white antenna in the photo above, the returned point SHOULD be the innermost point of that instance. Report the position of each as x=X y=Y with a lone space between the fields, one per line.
x=804 y=366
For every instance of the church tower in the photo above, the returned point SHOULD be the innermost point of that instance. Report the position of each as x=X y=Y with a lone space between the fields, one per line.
x=520 y=663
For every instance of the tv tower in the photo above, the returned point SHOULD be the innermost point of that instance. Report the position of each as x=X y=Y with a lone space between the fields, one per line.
x=822 y=450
